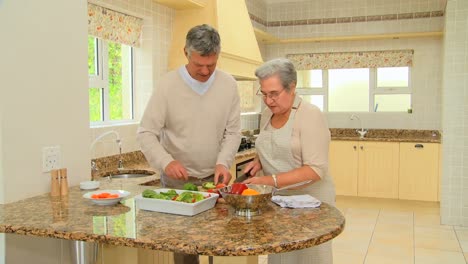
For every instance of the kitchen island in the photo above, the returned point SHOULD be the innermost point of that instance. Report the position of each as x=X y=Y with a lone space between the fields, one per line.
x=216 y=232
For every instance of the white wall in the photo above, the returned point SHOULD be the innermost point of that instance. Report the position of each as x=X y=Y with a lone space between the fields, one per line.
x=150 y=63
x=426 y=81
x=454 y=185
x=426 y=77
x=44 y=67
x=44 y=90
x=2 y=236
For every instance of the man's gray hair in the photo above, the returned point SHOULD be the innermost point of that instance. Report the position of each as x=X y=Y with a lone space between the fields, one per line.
x=203 y=39
x=281 y=67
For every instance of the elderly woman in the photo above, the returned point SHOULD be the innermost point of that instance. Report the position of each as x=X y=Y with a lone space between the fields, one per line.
x=292 y=147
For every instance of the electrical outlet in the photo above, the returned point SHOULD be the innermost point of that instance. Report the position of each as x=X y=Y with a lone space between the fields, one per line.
x=50 y=158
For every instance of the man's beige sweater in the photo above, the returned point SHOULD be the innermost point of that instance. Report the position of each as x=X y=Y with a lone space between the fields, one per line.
x=200 y=131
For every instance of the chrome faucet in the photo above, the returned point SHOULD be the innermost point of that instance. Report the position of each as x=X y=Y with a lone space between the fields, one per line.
x=118 y=141
x=361 y=132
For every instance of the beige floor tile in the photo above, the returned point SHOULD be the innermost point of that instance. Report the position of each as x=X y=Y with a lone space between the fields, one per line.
x=347 y=258
x=462 y=233
x=389 y=253
x=428 y=220
x=396 y=217
x=432 y=256
x=393 y=238
x=435 y=232
x=350 y=247
x=436 y=238
x=355 y=235
x=399 y=227
x=379 y=259
x=394 y=250
x=439 y=244
x=466 y=256
x=463 y=245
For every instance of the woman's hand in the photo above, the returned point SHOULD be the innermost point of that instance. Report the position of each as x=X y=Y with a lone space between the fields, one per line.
x=253 y=167
x=265 y=180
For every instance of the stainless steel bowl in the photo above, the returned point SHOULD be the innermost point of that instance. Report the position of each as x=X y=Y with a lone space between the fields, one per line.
x=248 y=205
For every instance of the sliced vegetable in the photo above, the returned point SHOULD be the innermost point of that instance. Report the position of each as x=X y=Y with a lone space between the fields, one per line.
x=209 y=185
x=104 y=195
x=190 y=187
x=213 y=191
x=238 y=188
x=186 y=197
x=220 y=185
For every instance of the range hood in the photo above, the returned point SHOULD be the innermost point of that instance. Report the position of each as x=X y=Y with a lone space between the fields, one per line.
x=239 y=56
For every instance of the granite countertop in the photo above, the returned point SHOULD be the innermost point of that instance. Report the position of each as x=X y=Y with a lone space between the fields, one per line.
x=387 y=135
x=216 y=232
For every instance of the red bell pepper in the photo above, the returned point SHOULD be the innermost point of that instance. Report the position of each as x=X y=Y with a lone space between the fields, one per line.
x=238 y=188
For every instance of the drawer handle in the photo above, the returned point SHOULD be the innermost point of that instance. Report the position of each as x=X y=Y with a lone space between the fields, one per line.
x=354 y=147
x=362 y=147
x=419 y=146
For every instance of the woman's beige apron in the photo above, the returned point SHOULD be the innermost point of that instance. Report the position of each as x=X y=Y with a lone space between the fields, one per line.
x=274 y=149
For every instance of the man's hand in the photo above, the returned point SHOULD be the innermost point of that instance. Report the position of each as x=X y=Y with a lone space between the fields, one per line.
x=221 y=171
x=176 y=170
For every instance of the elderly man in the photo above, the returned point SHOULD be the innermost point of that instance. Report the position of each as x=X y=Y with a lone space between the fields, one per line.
x=191 y=127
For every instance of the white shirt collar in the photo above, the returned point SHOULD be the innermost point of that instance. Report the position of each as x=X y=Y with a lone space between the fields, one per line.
x=197 y=86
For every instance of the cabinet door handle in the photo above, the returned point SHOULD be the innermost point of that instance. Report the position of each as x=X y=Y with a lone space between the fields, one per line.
x=362 y=147
x=354 y=147
x=419 y=146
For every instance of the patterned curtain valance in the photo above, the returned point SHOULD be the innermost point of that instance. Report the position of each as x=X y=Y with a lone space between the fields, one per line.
x=342 y=60
x=114 y=26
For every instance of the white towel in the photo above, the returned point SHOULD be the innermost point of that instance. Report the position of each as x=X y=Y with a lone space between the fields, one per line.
x=296 y=201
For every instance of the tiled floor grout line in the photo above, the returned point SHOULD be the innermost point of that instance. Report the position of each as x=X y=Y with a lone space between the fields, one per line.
x=459 y=243
x=373 y=231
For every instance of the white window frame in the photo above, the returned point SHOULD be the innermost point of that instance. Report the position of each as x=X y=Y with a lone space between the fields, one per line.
x=101 y=80
x=373 y=89
x=317 y=90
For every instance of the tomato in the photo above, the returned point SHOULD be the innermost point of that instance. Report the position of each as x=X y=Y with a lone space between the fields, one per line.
x=213 y=191
x=238 y=188
x=220 y=185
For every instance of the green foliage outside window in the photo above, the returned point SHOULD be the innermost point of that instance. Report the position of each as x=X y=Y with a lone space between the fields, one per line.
x=118 y=67
x=115 y=81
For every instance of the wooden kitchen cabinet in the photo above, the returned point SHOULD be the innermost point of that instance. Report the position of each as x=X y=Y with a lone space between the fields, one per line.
x=343 y=166
x=419 y=171
x=378 y=169
x=367 y=169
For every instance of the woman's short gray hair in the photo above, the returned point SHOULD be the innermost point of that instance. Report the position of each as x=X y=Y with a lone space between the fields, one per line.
x=202 y=39
x=281 y=67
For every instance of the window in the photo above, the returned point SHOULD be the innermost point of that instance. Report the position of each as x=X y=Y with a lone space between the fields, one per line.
x=392 y=93
x=348 y=90
x=385 y=89
x=311 y=87
x=110 y=67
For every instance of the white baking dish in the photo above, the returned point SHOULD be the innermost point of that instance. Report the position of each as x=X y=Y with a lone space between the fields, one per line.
x=176 y=207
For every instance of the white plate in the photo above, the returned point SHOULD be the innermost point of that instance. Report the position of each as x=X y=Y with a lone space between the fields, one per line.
x=89 y=185
x=175 y=207
x=107 y=201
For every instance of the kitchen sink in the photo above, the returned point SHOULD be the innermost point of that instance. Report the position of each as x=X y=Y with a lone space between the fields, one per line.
x=129 y=175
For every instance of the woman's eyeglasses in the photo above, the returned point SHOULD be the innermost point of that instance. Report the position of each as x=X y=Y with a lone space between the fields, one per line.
x=273 y=95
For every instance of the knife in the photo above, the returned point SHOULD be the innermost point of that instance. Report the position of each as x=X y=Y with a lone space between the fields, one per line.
x=243 y=177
